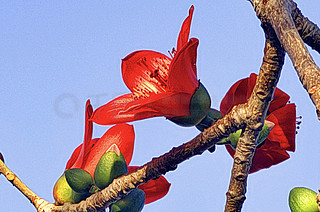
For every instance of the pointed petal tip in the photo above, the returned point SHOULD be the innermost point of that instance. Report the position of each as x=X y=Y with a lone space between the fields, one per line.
x=114 y=148
x=269 y=124
x=191 y=10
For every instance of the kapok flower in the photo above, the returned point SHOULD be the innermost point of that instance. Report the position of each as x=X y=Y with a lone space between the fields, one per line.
x=88 y=154
x=160 y=86
x=283 y=115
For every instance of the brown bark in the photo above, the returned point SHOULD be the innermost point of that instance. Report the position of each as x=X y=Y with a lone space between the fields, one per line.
x=308 y=31
x=257 y=107
x=278 y=14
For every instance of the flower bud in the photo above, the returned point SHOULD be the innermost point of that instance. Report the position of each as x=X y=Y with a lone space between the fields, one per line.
x=111 y=165
x=234 y=137
x=133 y=202
x=199 y=106
x=79 y=180
x=302 y=199
x=63 y=193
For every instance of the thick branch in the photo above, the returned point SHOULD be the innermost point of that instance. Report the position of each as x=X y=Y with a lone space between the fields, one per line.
x=309 y=31
x=278 y=13
x=256 y=109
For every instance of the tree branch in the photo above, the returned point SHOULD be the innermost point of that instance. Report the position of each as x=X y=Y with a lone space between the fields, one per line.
x=309 y=31
x=39 y=203
x=233 y=121
x=278 y=13
x=256 y=111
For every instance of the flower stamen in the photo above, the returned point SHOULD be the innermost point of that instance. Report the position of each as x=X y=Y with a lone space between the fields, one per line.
x=298 y=123
x=158 y=77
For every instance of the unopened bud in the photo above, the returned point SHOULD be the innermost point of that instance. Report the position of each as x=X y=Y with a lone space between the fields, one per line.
x=111 y=165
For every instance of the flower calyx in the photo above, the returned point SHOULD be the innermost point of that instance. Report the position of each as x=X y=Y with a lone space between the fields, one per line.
x=200 y=103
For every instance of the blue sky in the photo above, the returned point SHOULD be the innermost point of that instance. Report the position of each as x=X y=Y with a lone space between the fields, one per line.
x=56 y=55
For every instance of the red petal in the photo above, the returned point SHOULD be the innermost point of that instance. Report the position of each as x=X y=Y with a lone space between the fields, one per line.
x=87 y=136
x=122 y=135
x=183 y=69
x=284 y=131
x=154 y=189
x=279 y=100
x=237 y=94
x=126 y=109
x=77 y=158
x=165 y=104
x=240 y=92
x=267 y=155
x=185 y=30
x=76 y=152
x=111 y=113
x=74 y=157
x=138 y=72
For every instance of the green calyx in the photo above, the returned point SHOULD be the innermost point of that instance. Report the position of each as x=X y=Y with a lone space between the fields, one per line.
x=233 y=138
x=199 y=106
x=79 y=180
x=133 y=202
x=111 y=165
x=303 y=200
x=212 y=117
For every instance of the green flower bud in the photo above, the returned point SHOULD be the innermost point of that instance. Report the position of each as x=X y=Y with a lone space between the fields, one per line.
x=234 y=137
x=199 y=106
x=303 y=199
x=133 y=202
x=79 y=180
x=63 y=193
x=111 y=165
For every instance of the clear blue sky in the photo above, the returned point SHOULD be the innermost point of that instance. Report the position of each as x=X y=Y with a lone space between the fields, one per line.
x=54 y=55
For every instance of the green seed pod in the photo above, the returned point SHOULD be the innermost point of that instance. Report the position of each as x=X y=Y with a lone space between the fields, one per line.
x=133 y=202
x=79 y=180
x=199 y=106
x=111 y=165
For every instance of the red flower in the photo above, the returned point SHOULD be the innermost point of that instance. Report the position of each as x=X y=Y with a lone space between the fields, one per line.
x=87 y=155
x=160 y=86
x=282 y=136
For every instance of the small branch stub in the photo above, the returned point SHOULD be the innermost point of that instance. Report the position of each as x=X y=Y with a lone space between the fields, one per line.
x=1 y=157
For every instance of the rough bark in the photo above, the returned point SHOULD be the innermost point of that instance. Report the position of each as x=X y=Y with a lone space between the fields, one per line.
x=308 y=31
x=278 y=14
x=257 y=108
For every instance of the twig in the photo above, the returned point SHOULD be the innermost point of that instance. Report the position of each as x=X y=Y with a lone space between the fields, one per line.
x=40 y=204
